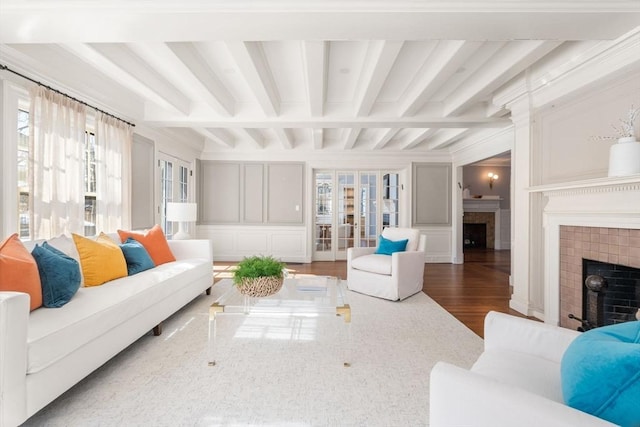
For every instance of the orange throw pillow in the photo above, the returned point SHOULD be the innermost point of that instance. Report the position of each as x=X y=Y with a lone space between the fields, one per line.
x=154 y=242
x=19 y=271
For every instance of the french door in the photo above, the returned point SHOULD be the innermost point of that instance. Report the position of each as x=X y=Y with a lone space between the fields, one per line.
x=174 y=187
x=348 y=211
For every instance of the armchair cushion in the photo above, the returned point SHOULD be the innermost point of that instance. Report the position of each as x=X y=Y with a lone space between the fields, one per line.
x=379 y=264
x=600 y=373
x=411 y=234
x=387 y=247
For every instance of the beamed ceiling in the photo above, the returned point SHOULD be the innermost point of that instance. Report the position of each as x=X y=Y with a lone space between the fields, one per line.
x=412 y=76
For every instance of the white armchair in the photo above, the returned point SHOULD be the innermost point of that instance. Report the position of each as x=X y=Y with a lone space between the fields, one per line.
x=515 y=382
x=394 y=277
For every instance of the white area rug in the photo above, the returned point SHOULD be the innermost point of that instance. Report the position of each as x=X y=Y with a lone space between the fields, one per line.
x=165 y=380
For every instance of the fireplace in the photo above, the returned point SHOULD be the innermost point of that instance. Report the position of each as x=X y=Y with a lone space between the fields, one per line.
x=611 y=253
x=478 y=223
x=594 y=219
x=610 y=295
x=475 y=235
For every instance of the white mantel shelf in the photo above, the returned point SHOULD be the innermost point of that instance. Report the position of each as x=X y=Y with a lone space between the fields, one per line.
x=481 y=205
x=591 y=185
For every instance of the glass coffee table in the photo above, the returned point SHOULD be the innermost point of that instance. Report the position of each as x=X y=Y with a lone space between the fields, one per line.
x=299 y=298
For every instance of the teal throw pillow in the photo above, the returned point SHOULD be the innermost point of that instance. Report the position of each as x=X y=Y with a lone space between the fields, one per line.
x=387 y=247
x=137 y=257
x=600 y=373
x=59 y=275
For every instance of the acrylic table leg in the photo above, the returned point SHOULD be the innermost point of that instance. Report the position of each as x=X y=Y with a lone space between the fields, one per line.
x=345 y=312
x=213 y=311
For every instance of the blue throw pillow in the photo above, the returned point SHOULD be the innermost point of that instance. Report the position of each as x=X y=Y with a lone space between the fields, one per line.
x=387 y=247
x=600 y=373
x=137 y=257
x=59 y=275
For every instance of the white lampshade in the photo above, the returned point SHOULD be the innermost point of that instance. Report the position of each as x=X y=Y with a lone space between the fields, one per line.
x=181 y=213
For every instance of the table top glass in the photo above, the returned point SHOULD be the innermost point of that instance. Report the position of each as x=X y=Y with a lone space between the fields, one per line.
x=300 y=295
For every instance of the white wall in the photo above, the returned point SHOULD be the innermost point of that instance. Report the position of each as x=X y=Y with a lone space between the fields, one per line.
x=564 y=130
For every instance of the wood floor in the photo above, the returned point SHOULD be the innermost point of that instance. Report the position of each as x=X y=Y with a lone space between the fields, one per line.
x=468 y=291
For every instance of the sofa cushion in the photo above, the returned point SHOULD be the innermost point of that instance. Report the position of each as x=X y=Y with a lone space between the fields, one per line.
x=66 y=245
x=601 y=373
x=388 y=247
x=101 y=259
x=412 y=234
x=19 y=271
x=59 y=275
x=137 y=257
x=534 y=374
x=95 y=310
x=154 y=241
x=379 y=264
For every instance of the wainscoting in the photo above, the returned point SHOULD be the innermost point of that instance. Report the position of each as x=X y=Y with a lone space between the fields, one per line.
x=233 y=243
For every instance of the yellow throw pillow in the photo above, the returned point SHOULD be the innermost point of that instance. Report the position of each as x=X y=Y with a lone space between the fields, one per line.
x=101 y=259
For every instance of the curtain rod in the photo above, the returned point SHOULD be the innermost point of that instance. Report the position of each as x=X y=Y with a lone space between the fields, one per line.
x=4 y=67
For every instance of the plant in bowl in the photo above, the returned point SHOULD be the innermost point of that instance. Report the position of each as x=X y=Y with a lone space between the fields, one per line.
x=259 y=276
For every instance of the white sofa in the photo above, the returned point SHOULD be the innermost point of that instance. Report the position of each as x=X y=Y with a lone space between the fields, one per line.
x=393 y=277
x=515 y=382
x=45 y=352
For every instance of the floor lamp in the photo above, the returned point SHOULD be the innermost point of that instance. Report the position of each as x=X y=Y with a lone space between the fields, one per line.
x=181 y=213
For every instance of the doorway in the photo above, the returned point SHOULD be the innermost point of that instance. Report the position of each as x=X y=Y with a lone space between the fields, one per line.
x=351 y=209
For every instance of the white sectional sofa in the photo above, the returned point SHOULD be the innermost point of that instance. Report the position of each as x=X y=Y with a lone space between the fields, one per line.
x=45 y=352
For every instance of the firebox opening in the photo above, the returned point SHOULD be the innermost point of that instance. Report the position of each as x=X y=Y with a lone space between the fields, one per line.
x=615 y=301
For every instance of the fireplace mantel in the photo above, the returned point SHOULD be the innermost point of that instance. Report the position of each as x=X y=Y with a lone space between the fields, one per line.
x=603 y=202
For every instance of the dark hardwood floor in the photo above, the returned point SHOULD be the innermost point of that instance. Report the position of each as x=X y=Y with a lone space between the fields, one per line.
x=468 y=291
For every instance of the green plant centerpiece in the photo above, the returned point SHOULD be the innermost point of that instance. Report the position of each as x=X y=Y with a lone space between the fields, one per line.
x=259 y=276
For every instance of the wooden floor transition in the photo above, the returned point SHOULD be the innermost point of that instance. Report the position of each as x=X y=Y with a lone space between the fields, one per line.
x=468 y=291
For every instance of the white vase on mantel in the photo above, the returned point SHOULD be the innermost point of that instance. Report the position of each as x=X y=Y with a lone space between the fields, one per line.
x=624 y=157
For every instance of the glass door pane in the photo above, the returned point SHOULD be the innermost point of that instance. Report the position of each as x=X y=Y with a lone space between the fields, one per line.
x=390 y=200
x=323 y=212
x=368 y=210
x=347 y=219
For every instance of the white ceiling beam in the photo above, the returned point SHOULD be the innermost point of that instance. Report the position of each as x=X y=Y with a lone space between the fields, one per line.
x=507 y=63
x=380 y=57
x=74 y=21
x=496 y=110
x=285 y=137
x=122 y=65
x=219 y=136
x=314 y=54
x=205 y=80
x=317 y=136
x=252 y=134
x=351 y=137
x=161 y=118
x=446 y=58
x=252 y=63
x=417 y=138
x=385 y=138
x=445 y=137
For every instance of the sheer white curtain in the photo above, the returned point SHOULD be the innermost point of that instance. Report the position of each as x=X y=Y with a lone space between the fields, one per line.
x=56 y=152
x=113 y=171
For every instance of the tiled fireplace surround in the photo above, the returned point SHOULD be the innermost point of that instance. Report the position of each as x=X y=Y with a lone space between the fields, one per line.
x=596 y=219
x=610 y=245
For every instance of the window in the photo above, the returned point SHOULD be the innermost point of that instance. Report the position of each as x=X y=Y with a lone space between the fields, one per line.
x=90 y=185
x=23 y=179
x=23 y=174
